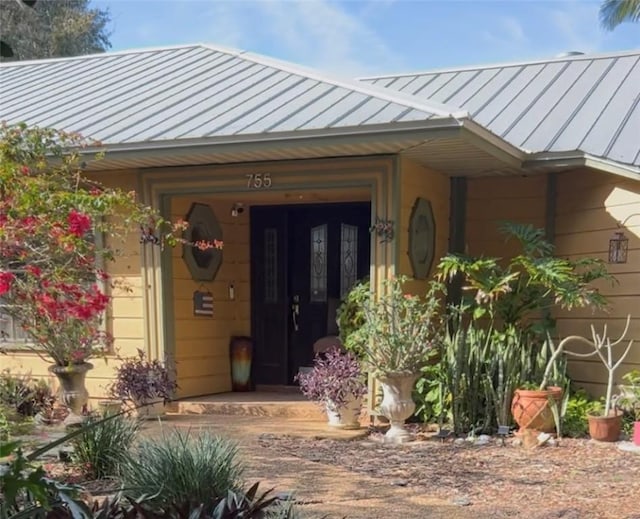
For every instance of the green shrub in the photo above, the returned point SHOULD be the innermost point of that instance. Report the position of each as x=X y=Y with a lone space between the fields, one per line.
x=574 y=422
x=101 y=450
x=183 y=470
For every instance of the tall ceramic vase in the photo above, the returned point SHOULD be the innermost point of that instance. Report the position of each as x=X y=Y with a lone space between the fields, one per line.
x=73 y=392
x=397 y=404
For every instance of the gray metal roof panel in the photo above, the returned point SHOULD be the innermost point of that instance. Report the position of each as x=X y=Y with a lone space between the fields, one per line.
x=190 y=92
x=585 y=102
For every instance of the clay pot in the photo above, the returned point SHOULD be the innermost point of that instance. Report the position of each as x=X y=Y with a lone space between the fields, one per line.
x=636 y=433
x=531 y=409
x=605 y=428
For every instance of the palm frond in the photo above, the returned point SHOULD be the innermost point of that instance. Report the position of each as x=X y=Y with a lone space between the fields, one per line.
x=615 y=12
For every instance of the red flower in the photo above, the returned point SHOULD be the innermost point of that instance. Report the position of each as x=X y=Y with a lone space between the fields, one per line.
x=79 y=223
x=6 y=280
x=33 y=270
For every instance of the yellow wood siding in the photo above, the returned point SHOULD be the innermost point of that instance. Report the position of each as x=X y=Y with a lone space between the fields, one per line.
x=493 y=200
x=417 y=181
x=589 y=207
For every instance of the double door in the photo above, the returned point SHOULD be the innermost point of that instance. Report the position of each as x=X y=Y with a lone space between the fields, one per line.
x=304 y=259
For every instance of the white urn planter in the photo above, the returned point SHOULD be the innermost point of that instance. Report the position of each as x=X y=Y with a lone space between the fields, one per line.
x=346 y=416
x=397 y=404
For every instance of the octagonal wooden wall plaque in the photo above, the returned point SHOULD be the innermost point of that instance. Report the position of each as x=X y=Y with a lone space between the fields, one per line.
x=203 y=226
x=422 y=238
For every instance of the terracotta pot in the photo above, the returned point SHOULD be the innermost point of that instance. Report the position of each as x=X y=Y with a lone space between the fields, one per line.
x=397 y=404
x=531 y=409
x=346 y=416
x=605 y=428
x=72 y=392
x=636 y=433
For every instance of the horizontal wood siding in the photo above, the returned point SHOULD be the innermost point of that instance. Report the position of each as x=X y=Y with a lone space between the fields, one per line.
x=491 y=201
x=417 y=181
x=202 y=343
x=589 y=206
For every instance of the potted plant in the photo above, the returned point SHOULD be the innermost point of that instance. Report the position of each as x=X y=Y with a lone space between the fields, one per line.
x=336 y=382
x=396 y=340
x=629 y=400
x=52 y=255
x=148 y=384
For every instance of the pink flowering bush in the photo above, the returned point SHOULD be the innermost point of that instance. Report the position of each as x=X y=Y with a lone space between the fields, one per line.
x=51 y=258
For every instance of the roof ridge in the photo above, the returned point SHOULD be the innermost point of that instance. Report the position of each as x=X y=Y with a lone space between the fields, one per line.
x=385 y=94
x=576 y=57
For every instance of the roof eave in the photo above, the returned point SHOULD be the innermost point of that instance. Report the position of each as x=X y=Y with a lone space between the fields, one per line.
x=430 y=128
x=557 y=161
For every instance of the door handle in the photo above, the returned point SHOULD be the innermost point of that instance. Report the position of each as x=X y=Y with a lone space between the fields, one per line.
x=295 y=312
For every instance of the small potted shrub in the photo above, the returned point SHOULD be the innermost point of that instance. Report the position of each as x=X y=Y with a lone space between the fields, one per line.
x=336 y=382
x=145 y=383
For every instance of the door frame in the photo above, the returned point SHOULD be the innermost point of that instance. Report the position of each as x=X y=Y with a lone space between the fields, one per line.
x=378 y=174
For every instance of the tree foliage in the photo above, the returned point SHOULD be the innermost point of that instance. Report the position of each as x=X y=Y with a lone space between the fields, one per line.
x=615 y=12
x=52 y=28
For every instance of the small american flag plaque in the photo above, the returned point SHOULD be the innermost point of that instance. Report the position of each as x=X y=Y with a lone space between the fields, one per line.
x=203 y=303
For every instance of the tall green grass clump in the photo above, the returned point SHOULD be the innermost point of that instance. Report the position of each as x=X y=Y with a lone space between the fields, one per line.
x=183 y=469
x=102 y=450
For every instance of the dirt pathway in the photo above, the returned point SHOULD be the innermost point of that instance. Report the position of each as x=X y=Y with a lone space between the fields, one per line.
x=364 y=479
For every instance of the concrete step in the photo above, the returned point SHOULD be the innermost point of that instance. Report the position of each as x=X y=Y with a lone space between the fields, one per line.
x=273 y=405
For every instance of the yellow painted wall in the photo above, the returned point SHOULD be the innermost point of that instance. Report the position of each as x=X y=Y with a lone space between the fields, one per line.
x=493 y=200
x=202 y=343
x=588 y=208
x=418 y=181
x=125 y=318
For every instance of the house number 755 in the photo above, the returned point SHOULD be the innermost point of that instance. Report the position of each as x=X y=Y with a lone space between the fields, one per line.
x=259 y=180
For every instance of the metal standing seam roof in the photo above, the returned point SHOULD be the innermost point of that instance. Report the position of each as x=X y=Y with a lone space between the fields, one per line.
x=588 y=103
x=193 y=92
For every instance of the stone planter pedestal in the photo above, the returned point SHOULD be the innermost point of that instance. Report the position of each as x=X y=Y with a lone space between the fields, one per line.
x=397 y=404
x=73 y=392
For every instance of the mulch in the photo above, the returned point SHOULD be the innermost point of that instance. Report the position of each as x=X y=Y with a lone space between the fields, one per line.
x=574 y=479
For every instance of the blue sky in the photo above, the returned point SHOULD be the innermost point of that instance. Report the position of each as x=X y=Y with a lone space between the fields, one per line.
x=356 y=37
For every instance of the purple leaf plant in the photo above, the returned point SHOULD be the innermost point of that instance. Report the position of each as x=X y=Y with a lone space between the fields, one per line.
x=335 y=378
x=140 y=380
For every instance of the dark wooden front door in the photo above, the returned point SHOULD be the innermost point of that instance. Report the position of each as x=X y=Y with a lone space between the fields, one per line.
x=303 y=261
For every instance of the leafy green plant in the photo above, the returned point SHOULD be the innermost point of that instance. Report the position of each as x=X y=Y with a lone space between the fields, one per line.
x=100 y=451
x=350 y=317
x=574 y=421
x=183 y=469
x=428 y=394
x=520 y=290
x=398 y=331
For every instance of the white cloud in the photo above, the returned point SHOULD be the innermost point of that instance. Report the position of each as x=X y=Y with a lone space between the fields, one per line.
x=508 y=31
x=320 y=33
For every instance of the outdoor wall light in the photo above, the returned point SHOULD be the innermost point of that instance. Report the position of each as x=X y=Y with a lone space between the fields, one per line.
x=619 y=244
x=237 y=209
